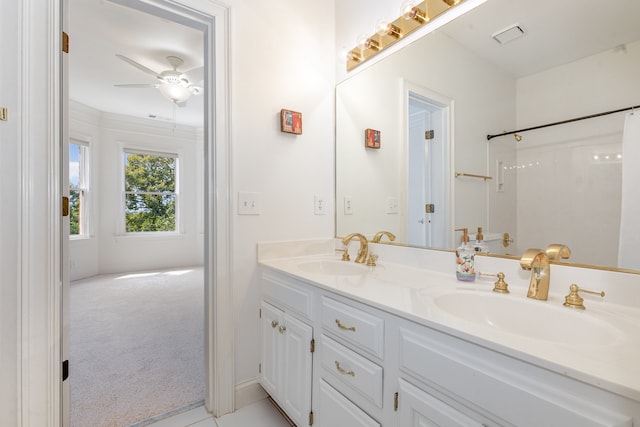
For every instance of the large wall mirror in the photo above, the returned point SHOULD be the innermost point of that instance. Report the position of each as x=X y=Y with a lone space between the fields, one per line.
x=435 y=101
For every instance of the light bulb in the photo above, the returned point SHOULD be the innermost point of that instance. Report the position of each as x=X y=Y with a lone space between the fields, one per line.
x=410 y=11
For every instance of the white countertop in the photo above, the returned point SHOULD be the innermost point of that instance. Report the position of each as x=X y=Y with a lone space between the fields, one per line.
x=603 y=348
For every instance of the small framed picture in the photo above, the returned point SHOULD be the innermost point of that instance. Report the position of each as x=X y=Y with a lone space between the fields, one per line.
x=291 y=121
x=372 y=138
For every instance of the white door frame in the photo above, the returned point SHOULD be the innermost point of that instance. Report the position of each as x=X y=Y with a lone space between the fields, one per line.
x=447 y=107
x=39 y=303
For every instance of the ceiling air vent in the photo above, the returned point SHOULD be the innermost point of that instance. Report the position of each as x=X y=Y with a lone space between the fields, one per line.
x=509 y=34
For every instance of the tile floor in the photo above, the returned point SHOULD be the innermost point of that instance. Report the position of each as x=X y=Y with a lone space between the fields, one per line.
x=258 y=414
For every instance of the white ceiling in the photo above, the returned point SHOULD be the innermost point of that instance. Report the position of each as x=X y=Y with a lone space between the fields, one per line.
x=557 y=31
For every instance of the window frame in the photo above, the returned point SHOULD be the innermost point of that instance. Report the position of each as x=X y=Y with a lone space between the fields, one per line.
x=85 y=215
x=177 y=155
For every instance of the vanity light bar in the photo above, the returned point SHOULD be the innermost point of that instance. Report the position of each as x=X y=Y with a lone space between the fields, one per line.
x=411 y=19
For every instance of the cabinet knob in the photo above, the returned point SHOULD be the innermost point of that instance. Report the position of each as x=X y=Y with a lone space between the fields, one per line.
x=274 y=323
x=282 y=328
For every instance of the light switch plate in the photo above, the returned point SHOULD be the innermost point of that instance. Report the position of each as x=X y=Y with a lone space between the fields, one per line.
x=319 y=205
x=392 y=205
x=348 y=205
x=248 y=203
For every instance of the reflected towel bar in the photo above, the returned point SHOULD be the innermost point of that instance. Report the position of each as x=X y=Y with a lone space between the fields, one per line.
x=470 y=175
x=590 y=116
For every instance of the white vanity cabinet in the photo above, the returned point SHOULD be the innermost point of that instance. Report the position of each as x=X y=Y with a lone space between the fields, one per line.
x=286 y=349
x=374 y=367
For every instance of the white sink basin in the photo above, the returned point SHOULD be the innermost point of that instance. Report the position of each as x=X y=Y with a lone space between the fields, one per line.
x=529 y=318
x=332 y=267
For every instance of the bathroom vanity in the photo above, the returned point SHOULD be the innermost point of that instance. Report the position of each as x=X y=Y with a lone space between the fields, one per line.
x=344 y=344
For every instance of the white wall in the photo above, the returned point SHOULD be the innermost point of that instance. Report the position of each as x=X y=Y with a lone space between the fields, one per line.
x=108 y=249
x=282 y=56
x=583 y=210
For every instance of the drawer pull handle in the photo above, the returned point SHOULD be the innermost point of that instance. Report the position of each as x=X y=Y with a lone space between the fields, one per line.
x=343 y=371
x=274 y=323
x=345 y=328
x=282 y=328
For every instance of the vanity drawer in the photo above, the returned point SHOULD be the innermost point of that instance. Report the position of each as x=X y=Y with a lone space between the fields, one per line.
x=357 y=327
x=351 y=369
x=289 y=294
x=336 y=410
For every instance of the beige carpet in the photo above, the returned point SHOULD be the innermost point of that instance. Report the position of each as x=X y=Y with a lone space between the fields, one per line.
x=136 y=346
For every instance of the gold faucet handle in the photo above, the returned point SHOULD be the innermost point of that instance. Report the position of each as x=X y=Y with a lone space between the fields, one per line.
x=574 y=300
x=371 y=262
x=500 y=285
x=345 y=253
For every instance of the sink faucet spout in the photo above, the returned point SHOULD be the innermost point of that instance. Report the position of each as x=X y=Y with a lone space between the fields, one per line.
x=364 y=246
x=537 y=261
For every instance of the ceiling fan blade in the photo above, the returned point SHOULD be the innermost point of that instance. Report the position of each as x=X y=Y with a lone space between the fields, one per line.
x=154 y=86
x=195 y=75
x=139 y=66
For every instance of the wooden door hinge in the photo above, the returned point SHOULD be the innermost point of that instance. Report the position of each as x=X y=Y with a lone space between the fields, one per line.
x=429 y=134
x=65 y=42
x=395 y=401
x=311 y=418
x=65 y=206
x=312 y=345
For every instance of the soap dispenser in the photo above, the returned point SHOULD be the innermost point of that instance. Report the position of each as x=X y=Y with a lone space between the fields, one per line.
x=480 y=246
x=465 y=259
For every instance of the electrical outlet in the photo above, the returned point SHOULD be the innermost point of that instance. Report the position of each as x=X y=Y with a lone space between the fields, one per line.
x=392 y=205
x=348 y=205
x=248 y=203
x=319 y=205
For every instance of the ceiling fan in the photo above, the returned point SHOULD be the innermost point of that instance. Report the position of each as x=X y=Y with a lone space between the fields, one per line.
x=177 y=86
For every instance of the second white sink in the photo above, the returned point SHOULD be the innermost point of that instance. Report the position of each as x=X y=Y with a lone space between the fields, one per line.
x=530 y=319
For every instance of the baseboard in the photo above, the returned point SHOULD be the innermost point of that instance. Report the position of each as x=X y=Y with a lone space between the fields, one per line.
x=248 y=392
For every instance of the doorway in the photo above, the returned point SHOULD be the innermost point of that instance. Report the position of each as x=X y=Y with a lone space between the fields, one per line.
x=217 y=296
x=136 y=209
x=428 y=149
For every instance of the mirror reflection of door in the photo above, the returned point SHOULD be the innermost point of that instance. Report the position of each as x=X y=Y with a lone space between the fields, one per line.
x=427 y=139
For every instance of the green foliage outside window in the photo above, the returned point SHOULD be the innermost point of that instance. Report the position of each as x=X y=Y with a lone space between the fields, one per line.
x=150 y=193
x=74 y=210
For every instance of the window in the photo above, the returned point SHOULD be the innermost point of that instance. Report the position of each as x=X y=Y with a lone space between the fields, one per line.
x=78 y=188
x=150 y=195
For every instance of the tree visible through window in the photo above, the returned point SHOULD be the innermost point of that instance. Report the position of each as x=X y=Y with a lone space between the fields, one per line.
x=150 y=192
x=78 y=188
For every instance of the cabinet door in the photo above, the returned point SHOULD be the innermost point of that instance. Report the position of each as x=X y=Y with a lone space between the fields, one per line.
x=336 y=410
x=296 y=369
x=271 y=320
x=417 y=408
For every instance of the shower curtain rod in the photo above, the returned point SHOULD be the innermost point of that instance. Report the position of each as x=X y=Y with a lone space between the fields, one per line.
x=591 y=116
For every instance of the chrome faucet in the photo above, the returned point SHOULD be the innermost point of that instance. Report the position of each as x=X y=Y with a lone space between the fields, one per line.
x=537 y=261
x=364 y=246
x=379 y=234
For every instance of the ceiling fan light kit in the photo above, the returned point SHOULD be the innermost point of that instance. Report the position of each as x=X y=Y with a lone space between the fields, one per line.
x=176 y=86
